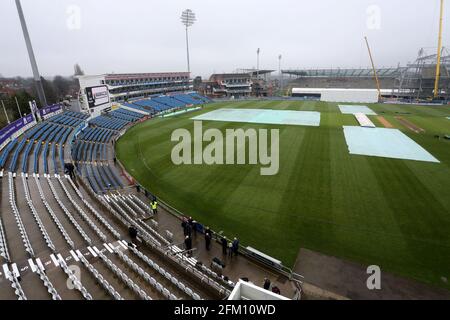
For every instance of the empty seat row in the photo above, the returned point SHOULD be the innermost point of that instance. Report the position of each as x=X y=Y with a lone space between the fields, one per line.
x=187 y=99
x=81 y=212
x=100 y=279
x=79 y=115
x=36 y=217
x=5 y=153
x=55 y=219
x=48 y=284
x=68 y=214
x=66 y=120
x=123 y=276
x=149 y=279
x=197 y=96
x=165 y=274
x=76 y=282
x=3 y=245
x=99 y=217
x=19 y=222
x=109 y=123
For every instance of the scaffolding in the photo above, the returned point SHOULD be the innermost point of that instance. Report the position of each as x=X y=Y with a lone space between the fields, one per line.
x=417 y=80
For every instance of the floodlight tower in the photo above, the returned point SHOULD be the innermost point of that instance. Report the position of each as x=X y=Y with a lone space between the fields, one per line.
x=281 y=74
x=257 y=62
x=439 y=52
x=188 y=19
x=34 y=67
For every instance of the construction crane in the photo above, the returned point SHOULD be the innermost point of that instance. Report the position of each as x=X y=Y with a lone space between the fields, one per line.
x=438 y=64
x=374 y=70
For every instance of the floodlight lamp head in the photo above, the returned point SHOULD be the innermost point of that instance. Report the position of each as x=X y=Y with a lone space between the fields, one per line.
x=188 y=18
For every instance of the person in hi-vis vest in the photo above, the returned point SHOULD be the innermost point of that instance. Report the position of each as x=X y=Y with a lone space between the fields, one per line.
x=154 y=206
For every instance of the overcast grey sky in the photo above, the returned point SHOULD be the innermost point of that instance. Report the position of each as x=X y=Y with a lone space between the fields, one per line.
x=147 y=35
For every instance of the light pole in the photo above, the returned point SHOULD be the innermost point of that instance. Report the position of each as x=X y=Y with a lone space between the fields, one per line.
x=281 y=74
x=257 y=62
x=188 y=19
x=37 y=77
x=6 y=113
x=18 y=107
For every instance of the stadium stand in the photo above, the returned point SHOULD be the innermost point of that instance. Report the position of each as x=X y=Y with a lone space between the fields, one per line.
x=88 y=215
x=166 y=103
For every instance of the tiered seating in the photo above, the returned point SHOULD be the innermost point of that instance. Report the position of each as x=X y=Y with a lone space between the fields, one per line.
x=84 y=216
x=102 y=178
x=205 y=274
x=164 y=103
x=68 y=214
x=169 y=101
x=74 y=206
x=53 y=215
x=138 y=107
x=61 y=145
x=79 y=115
x=28 y=135
x=51 y=140
x=123 y=276
x=60 y=140
x=6 y=152
x=15 y=210
x=99 y=217
x=36 y=217
x=3 y=245
x=109 y=123
x=45 y=128
x=197 y=96
x=45 y=137
x=187 y=99
x=165 y=274
x=66 y=120
x=133 y=115
x=100 y=279
x=76 y=282
x=151 y=104
x=148 y=278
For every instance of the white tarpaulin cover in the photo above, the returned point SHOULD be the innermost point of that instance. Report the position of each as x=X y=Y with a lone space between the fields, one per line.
x=266 y=116
x=383 y=142
x=352 y=109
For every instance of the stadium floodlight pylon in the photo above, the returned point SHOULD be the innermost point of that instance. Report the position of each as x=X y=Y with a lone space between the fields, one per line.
x=257 y=62
x=439 y=52
x=34 y=67
x=188 y=19
x=281 y=74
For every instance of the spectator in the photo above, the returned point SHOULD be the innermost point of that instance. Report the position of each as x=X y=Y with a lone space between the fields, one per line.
x=188 y=243
x=188 y=230
x=230 y=249
x=194 y=227
x=183 y=225
x=235 y=246
x=208 y=240
x=132 y=232
x=224 y=243
x=276 y=290
x=266 y=284
x=154 y=206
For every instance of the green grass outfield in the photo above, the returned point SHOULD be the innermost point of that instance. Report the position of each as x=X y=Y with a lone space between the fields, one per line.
x=392 y=213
